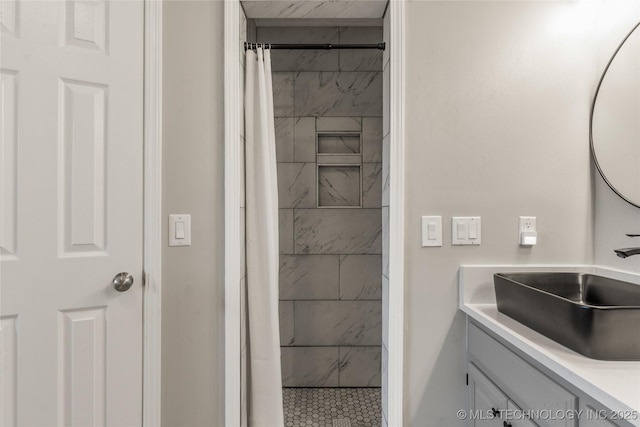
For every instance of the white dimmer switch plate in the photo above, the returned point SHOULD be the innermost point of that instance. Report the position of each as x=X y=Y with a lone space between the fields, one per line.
x=431 y=231
x=466 y=230
x=179 y=230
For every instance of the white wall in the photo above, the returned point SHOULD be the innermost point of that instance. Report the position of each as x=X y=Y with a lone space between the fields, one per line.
x=498 y=98
x=614 y=217
x=192 y=299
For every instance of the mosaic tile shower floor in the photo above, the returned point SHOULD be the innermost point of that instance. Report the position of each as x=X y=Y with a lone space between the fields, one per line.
x=332 y=407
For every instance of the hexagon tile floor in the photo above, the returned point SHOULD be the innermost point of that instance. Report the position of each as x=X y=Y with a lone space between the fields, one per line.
x=332 y=407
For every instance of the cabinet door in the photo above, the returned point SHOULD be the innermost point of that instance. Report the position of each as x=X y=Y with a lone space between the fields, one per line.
x=520 y=380
x=515 y=417
x=487 y=403
x=596 y=422
x=594 y=415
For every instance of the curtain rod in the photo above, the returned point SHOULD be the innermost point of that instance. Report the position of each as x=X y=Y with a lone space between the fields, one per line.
x=326 y=46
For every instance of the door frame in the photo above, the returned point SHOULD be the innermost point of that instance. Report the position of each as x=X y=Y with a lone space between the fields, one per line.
x=152 y=240
x=232 y=203
x=395 y=371
x=233 y=247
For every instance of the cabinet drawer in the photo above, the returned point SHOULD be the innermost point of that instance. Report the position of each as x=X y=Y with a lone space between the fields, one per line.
x=593 y=418
x=596 y=415
x=527 y=386
x=518 y=420
x=487 y=402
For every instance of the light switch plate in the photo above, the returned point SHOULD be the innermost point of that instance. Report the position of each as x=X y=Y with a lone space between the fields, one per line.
x=431 y=231
x=179 y=225
x=466 y=230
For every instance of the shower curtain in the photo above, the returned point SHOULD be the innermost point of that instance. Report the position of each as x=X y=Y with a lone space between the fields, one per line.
x=264 y=385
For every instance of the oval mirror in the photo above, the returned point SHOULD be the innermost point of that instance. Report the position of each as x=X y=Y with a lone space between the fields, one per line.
x=615 y=120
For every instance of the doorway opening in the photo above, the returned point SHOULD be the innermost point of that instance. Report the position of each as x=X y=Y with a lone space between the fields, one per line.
x=339 y=173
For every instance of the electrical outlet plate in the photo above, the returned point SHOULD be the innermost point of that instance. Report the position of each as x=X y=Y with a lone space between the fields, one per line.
x=527 y=223
x=527 y=233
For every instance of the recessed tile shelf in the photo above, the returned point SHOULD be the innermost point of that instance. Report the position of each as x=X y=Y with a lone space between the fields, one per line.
x=339 y=186
x=339 y=143
x=339 y=173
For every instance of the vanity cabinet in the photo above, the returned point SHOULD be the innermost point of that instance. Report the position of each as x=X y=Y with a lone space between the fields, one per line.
x=590 y=409
x=500 y=382
x=489 y=406
x=486 y=400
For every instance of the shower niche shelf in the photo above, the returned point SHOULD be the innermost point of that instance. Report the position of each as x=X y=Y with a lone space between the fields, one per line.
x=339 y=169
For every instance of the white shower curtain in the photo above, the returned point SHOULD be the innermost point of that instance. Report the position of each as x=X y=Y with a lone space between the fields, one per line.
x=264 y=383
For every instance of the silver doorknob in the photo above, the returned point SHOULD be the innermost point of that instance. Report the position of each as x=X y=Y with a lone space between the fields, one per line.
x=122 y=282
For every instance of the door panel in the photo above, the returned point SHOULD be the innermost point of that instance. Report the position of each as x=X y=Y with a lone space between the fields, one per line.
x=8 y=22
x=82 y=225
x=8 y=371
x=85 y=25
x=71 y=193
x=82 y=377
x=8 y=153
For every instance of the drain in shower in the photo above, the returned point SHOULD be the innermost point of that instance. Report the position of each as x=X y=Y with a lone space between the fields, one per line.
x=342 y=422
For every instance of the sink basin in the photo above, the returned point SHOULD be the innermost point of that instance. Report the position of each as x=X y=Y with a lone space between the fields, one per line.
x=593 y=315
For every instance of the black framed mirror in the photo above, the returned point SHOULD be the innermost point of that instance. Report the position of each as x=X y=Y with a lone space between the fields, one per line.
x=614 y=128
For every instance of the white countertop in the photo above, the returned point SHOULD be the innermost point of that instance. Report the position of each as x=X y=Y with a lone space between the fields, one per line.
x=616 y=385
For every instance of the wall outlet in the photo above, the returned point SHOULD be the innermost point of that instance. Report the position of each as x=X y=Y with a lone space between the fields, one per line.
x=527 y=233
x=527 y=223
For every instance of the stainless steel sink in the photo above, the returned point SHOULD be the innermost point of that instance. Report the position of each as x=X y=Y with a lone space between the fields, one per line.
x=593 y=315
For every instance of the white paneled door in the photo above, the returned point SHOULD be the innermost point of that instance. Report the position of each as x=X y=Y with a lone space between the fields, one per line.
x=71 y=145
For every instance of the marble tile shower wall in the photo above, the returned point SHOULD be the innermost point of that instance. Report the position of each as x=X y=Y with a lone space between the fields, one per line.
x=330 y=262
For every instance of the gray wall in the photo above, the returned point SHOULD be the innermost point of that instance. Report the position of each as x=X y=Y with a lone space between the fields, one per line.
x=330 y=262
x=614 y=217
x=497 y=102
x=193 y=165
x=493 y=89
